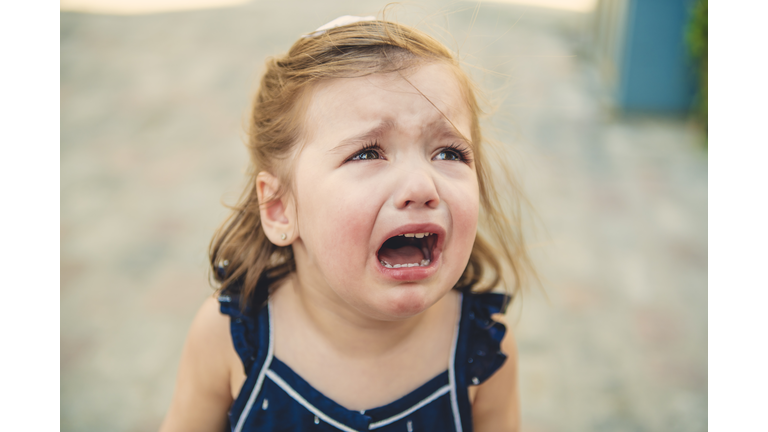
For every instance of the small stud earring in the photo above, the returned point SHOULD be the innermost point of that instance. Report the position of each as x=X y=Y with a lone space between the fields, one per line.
x=282 y=236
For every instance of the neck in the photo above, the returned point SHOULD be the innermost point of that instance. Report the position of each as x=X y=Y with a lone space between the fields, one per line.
x=347 y=330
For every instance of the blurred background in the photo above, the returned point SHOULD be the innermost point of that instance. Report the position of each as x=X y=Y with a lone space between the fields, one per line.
x=600 y=105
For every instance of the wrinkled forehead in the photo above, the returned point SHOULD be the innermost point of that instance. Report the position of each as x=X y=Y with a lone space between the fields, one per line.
x=427 y=96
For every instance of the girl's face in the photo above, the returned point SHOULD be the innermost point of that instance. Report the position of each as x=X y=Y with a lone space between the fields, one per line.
x=386 y=192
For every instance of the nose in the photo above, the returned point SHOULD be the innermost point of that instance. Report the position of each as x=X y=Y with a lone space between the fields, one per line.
x=416 y=189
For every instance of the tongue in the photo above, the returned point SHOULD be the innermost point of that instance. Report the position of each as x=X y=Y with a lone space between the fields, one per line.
x=401 y=255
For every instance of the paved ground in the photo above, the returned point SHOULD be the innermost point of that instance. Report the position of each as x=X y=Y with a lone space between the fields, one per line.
x=151 y=140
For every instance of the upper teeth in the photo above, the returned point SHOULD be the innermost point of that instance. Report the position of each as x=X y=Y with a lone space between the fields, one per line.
x=417 y=235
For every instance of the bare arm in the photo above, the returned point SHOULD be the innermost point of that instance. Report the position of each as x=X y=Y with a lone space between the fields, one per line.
x=496 y=406
x=202 y=396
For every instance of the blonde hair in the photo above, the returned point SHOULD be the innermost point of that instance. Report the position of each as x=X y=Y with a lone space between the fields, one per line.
x=241 y=255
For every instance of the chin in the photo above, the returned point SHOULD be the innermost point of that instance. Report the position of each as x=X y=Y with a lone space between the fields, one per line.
x=407 y=301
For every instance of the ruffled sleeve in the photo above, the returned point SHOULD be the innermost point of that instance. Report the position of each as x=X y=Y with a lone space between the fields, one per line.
x=244 y=327
x=484 y=356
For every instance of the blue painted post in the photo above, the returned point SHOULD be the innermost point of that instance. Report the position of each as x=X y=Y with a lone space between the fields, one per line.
x=656 y=73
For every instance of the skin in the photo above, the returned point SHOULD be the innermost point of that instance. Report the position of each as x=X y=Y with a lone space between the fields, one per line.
x=363 y=324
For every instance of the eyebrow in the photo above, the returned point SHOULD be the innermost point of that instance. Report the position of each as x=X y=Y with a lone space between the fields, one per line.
x=371 y=135
x=444 y=130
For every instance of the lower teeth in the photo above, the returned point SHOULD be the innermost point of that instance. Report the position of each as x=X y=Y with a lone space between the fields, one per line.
x=423 y=263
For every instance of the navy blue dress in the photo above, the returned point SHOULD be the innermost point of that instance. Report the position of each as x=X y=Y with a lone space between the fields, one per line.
x=275 y=398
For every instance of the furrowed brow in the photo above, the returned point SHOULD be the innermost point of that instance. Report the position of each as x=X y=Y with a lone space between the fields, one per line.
x=372 y=135
x=445 y=130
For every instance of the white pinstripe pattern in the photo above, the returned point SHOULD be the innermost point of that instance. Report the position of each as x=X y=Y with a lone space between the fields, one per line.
x=441 y=391
x=297 y=397
x=452 y=371
x=259 y=380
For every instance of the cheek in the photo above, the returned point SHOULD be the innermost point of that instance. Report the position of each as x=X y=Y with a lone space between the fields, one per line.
x=466 y=238
x=336 y=229
x=464 y=216
x=349 y=239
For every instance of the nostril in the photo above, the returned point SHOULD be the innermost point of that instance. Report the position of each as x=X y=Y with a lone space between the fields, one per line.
x=417 y=194
x=412 y=203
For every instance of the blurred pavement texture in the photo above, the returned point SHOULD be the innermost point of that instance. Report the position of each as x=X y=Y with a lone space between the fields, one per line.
x=152 y=121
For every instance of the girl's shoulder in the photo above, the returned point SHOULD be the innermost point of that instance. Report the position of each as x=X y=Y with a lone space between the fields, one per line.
x=203 y=389
x=211 y=344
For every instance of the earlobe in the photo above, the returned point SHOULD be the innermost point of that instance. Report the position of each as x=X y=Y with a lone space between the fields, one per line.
x=277 y=214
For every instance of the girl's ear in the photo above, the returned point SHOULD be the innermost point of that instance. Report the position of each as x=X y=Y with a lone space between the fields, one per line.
x=278 y=216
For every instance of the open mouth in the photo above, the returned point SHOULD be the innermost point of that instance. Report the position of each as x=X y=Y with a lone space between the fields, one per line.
x=408 y=250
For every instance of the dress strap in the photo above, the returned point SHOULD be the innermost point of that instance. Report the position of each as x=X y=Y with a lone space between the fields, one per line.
x=252 y=337
x=478 y=347
x=244 y=326
x=484 y=356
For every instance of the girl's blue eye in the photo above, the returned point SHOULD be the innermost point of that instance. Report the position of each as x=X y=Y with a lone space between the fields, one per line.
x=451 y=155
x=366 y=155
x=454 y=152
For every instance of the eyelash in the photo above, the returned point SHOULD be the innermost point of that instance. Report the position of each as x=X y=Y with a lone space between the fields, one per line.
x=462 y=153
x=374 y=145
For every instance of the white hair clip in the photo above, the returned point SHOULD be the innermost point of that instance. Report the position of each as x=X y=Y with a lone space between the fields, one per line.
x=338 y=22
